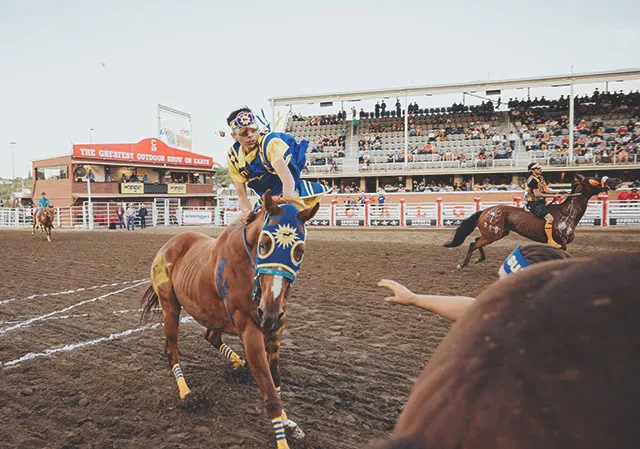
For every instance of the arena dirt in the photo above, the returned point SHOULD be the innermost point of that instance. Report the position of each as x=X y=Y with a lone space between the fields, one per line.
x=349 y=359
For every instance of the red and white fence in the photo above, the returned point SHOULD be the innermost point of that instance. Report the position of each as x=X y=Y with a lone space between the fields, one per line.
x=440 y=214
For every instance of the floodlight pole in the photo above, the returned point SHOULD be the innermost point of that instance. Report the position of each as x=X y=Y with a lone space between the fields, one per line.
x=406 y=131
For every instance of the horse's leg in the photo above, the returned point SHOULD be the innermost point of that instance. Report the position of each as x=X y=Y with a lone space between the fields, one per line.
x=272 y=345
x=171 y=318
x=257 y=357
x=48 y=232
x=483 y=256
x=215 y=338
x=472 y=248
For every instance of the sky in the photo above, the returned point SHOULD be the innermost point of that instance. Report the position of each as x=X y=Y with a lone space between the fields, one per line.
x=69 y=66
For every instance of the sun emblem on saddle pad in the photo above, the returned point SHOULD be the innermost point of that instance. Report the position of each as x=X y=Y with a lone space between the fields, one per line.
x=285 y=235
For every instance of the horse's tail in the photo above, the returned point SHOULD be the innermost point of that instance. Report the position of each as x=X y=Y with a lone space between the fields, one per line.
x=466 y=227
x=150 y=302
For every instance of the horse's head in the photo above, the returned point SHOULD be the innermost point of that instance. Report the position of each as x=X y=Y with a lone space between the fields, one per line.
x=593 y=186
x=279 y=256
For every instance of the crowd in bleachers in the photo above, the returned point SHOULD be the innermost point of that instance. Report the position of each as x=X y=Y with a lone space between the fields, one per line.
x=326 y=135
x=606 y=130
x=476 y=142
x=381 y=110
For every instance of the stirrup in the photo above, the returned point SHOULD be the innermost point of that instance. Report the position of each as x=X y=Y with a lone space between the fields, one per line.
x=553 y=243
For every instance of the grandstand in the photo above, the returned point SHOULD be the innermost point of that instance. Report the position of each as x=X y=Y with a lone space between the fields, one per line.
x=470 y=145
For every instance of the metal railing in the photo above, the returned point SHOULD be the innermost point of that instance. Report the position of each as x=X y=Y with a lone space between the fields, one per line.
x=434 y=214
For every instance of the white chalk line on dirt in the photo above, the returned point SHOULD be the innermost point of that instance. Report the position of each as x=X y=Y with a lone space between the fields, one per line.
x=70 y=347
x=68 y=292
x=67 y=348
x=83 y=315
x=66 y=309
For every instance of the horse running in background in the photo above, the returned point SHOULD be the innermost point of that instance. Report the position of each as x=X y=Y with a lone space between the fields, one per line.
x=239 y=284
x=544 y=359
x=45 y=221
x=497 y=221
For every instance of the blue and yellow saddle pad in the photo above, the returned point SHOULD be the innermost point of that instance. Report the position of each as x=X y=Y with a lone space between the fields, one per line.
x=257 y=171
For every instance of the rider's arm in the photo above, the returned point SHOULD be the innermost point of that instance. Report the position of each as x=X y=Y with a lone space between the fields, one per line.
x=243 y=197
x=448 y=307
x=276 y=150
x=539 y=194
x=288 y=184
x=240 y=182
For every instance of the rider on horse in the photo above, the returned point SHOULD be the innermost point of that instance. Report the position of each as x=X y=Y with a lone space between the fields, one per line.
x=265 y=160
x=43 y=203
x=537 y=192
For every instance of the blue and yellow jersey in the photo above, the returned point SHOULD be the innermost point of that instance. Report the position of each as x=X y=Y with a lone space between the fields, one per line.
x=256 y=168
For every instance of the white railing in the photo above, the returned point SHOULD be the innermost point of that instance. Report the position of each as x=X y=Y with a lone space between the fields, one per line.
x=624 y=213
x=600 y=212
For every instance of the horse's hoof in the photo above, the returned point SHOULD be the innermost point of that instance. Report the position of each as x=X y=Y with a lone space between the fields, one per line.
x=293 y=430
x=459 y=267
x=197 y=400
x=238 y=365
x=241 y=375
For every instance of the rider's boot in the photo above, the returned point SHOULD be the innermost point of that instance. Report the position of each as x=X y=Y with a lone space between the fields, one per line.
x=548 y=229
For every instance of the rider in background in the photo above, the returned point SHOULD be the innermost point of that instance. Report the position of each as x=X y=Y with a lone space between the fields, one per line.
x=265 y=160
x=537 y=192
x=43 y=203
x=452 y=307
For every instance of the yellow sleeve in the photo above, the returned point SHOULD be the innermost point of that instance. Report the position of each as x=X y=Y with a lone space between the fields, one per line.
x=276 y=149
x=233 y=171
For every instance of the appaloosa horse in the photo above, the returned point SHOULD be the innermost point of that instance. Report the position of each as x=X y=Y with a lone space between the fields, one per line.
x=238 y=283
x=45 y=221
x=497 y=221
x=545 y=359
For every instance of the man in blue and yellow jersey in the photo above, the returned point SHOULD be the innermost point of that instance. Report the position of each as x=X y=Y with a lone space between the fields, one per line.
x=265 y=160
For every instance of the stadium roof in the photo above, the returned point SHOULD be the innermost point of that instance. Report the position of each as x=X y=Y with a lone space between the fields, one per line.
x=413 y=91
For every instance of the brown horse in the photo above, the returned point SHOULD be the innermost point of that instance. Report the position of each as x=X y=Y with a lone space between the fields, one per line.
x=497 y=221
x=238 y=283
x=544 y=359
x=45 y=221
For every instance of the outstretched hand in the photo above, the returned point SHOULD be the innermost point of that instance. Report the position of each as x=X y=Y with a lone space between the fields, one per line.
x=402 y=295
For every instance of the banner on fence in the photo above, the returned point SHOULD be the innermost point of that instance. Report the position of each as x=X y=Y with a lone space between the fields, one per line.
x=197 y=217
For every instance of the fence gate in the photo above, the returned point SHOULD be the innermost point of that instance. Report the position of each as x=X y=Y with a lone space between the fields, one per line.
x=165 y=211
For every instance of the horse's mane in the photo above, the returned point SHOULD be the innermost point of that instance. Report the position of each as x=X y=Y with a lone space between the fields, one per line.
x=574 y=186
x=246 y=219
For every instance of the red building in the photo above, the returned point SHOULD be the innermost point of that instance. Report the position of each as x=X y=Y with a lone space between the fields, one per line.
x=143 y=171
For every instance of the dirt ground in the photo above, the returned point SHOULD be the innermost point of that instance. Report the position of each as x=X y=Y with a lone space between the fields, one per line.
x=349 y=359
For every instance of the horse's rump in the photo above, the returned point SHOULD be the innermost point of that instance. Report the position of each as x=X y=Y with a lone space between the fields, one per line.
x=544 y=358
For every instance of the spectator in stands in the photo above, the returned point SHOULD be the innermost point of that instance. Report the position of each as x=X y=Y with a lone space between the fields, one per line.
x=398 y=108
x=120 y=213
x=123 y=178
x=142 y=213
x=145 y=178
x=91 y=177
x=383 y=108
x=130 y=215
